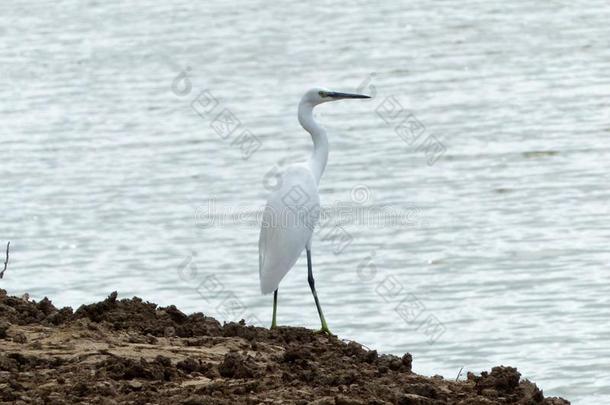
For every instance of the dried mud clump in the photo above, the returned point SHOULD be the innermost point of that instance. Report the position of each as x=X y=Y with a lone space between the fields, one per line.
x=504 y=383
x=118 y=368
x=131 y=351
x=20 y=311
x=235 y=365
x=504 y=380
x=146 y=318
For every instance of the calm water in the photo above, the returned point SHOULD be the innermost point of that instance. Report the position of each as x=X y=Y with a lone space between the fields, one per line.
x=106 y=172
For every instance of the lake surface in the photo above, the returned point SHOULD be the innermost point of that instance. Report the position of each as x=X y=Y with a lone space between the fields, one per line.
x=493 y=244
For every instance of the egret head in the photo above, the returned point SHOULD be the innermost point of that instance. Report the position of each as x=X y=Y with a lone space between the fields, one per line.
x=317 y=96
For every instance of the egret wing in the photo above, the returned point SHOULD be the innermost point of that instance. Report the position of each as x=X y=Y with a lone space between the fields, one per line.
x=287 y=225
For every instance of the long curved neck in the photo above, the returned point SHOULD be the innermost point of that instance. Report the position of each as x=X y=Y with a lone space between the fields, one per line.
x=319 y=157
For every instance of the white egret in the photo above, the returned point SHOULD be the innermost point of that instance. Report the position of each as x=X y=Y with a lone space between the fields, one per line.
x=293 y=209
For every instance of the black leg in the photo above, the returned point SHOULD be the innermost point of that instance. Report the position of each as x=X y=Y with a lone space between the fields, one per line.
x=273 y=323
x=312 y=285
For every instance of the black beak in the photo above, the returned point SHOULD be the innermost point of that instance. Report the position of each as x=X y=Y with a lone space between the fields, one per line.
x=334 y=94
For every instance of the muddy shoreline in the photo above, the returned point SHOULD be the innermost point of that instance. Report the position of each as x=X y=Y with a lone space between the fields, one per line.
x=131 y=351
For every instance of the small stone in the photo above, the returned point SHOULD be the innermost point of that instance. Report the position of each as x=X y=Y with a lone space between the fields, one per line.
x=407 y=361
x=135 y=385
x=342 y=400
x=371 y=356
x=413 y=399
x=3 y=328
x=194 y=400
x=20 y=338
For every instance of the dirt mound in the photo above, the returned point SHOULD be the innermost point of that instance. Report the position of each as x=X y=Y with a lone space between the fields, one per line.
x=146 y=318
x=19 y=311
x=130 y=351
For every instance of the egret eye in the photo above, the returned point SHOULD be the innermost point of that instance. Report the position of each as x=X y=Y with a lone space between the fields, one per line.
x=322 y=93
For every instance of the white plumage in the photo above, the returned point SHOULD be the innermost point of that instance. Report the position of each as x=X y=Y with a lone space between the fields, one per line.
x=292 y=210
x=290 y=215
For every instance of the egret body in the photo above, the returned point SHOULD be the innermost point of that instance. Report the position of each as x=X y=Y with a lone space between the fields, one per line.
x=292 y=210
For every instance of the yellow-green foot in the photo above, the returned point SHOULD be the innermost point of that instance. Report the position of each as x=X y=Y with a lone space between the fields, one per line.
x=325 y=330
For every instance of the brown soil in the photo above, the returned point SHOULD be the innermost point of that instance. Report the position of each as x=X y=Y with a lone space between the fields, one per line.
x=130 y=351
